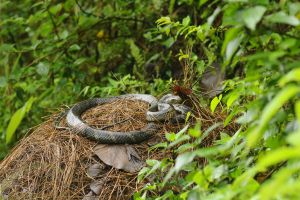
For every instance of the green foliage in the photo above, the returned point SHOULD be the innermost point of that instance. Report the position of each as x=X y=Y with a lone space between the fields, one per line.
x=16 y=119
x=214 y=103
x=61 y=52
x=261 y=159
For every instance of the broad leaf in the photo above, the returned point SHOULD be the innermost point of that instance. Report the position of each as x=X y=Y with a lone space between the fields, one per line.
x=252 y=16
x=120 y=157
x=293 y=75
x=215 y=102
x=16 y=120
x=282 y=17
x=270 y=110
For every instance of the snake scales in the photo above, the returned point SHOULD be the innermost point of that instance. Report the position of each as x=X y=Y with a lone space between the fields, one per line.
x=167 y=108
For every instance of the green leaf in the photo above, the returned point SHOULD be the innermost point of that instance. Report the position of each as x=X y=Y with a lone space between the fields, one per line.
x=171 y=6
x=55 y=9
x=179 y=140
x=186 y=21
x=231 y=35
x=211 y=19
x=232 y=47
x=152 y=162
x=170 y=136
x=169 y=42
x=293 y=75
x=163 y=21
x=231 y=99
x=277 y=156
x=219 y=171
x=230 y=116
x=142 y=173
x=269 y=111
x=294 y=138
x=279 y=181
x=7 y=48
x=74 y=47
x=183 y=159
x=159 y=145
x=185 y=147
x=200 y=179
x=3 y=81
x=45 y=29
x=282 y=17
x=16 y=120
x=42 y=68
x=86 y=21
x=79 y=61
x=196 y=131
x=252 y=16
x=108 y=10
x=215 y=102
x=187 y=117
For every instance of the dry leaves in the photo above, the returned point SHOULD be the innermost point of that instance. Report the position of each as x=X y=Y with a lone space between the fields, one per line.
x=120 y=157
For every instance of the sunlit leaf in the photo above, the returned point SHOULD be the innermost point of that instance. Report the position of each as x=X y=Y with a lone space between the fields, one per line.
x=277 y=156
x=278 y=182
x=294 y=138
x=231 y=35
x=293 y=75
x=231 y=99
x=163 y=21
x=170 y=136
x=55 y=9
x=230 y=116
x=270 y=110
x=232 y=47
x=211 y=19
x=196 y=131
x=282 y=17
x=252 y=16
x=215 y=102
x=183 y=159
x=16 y=120
x=186 y=21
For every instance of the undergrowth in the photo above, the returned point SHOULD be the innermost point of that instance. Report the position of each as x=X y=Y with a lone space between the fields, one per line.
x=261 y=159
x=56 y=53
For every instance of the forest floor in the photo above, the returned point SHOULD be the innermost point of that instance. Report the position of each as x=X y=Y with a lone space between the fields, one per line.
x=53 y=163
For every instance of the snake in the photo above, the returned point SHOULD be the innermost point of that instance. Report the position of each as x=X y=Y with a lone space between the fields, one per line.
x=167 y=108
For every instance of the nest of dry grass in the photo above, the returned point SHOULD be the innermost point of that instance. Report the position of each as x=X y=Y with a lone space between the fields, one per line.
x=53 y=164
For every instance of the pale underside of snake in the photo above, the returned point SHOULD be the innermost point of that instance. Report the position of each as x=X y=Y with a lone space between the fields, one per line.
x=166 y=108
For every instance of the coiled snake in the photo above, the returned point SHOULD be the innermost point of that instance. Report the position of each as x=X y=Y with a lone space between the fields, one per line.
x=167 y=108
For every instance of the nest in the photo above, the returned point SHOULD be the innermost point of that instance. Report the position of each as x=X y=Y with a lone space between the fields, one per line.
x=53 y=164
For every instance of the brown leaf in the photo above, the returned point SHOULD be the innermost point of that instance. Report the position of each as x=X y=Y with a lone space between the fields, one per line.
x=120 y=157
x=95 y=169
x=97 y=186
x=90 y=196
x=211 y=81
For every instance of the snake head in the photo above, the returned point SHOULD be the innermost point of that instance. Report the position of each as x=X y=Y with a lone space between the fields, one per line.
x=170 y=99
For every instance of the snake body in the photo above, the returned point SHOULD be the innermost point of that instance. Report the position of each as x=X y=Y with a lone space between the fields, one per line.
x=159 y=111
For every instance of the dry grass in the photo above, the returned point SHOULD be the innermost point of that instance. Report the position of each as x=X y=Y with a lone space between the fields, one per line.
x=52 y=164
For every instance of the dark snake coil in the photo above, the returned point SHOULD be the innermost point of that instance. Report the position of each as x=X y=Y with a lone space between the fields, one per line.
x=76 y=123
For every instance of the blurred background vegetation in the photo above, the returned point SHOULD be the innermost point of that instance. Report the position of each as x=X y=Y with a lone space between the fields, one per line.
x=54 y=53
x=59 y=52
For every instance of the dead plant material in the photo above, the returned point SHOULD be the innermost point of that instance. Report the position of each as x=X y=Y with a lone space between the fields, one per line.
x=120 y=115
x=58 y=164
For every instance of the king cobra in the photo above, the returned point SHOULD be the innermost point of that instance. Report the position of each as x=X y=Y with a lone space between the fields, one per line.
x=167 y=108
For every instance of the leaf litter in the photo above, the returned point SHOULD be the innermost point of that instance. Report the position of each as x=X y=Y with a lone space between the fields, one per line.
x=58 y=164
